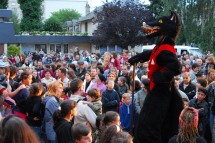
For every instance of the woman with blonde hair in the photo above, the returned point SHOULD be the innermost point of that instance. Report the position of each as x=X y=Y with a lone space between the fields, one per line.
x=52 y=103
x=188 y=132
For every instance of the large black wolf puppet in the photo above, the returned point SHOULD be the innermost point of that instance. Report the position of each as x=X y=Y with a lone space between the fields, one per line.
x=158 y=120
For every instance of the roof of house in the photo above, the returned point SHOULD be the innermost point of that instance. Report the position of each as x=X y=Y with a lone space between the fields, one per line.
x=89 y=16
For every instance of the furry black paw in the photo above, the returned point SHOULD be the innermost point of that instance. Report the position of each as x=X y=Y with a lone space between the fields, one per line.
x=135 y=59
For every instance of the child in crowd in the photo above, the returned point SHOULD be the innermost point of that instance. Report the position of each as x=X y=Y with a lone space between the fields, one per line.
x=123 y=87
x=201 y=105
x=110 y=98
x=186 y=102
x=81 y=133
x=94 y=101
x=125 y=112
x=110 y=118
x=201 y=83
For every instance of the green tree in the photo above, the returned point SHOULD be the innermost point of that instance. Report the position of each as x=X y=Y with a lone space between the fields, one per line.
x=64 y=15
x=52 y=24
x=156 y=6
x=32 y=15
x=16 y=23
x=119 y=23
x=3 y=4
x=13 y=50
x=197 y=19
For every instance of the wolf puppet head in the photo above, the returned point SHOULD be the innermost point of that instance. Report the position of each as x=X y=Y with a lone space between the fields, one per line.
x=166 y=27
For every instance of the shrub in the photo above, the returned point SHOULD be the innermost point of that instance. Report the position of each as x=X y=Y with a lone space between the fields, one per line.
x=13 y=50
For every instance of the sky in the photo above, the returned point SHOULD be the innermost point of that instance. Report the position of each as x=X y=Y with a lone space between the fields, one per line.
x=78 y=5
x=94 y=3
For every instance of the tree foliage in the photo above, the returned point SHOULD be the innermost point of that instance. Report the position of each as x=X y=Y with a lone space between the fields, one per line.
x=3 y=4
x=31 y=15
x=52 y=24
x=13 y=50
x=119 y=23
x=16 y=22
x=197 y=18
x=64 y=15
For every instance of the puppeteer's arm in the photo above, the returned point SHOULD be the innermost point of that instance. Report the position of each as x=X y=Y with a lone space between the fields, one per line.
x=142 y=57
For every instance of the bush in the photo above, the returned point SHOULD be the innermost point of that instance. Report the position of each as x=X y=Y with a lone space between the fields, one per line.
x=13 y=50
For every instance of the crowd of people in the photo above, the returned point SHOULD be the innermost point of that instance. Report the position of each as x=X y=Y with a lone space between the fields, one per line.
x=82 y=98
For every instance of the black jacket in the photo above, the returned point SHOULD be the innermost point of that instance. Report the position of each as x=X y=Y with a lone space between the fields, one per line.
x=190 y=90
x=33 y=109
x=203 y=108
x=63 y=130
x=81 y=74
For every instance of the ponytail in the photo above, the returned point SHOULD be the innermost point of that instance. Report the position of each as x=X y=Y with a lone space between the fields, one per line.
x=66 y=107
x=57 y=116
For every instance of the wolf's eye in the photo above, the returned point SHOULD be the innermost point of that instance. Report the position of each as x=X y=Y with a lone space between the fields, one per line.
x=160 y=21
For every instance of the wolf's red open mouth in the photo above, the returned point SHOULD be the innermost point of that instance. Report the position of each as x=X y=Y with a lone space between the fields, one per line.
x=149 y=29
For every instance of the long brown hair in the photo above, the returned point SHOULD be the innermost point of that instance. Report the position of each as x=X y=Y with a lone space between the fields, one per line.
x=189 y=126
x=15 y=130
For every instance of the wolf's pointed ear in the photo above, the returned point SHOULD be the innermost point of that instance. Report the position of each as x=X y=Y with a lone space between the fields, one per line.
x=173 y=17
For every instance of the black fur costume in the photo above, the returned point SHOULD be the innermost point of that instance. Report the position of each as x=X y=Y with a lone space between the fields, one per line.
x=158 y=120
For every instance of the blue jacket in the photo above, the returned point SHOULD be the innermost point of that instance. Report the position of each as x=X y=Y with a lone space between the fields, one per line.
x=125 y=116
x=51 y=105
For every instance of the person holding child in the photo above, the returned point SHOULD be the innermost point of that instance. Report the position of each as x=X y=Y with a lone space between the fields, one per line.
x=94 y=101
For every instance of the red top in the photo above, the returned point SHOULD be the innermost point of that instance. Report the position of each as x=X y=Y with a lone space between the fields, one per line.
x=115 y=64
x=153 y=66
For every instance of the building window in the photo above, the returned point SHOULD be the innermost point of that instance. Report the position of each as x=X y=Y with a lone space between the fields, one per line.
x=38 y=47
x=65 y=48
x=119 y=50
x=103 y=49
x=86 y=27
x=58 y=48
x=111 y=48
x=52 y=48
